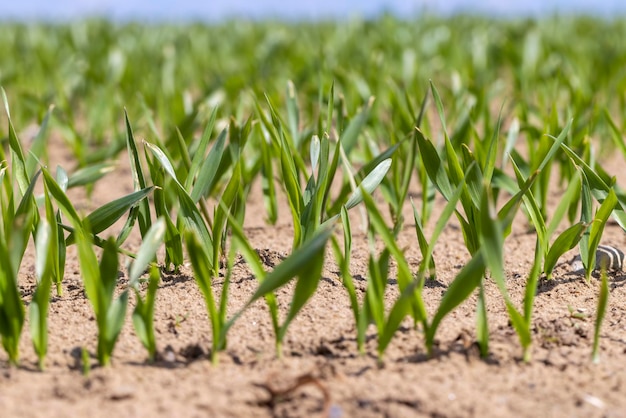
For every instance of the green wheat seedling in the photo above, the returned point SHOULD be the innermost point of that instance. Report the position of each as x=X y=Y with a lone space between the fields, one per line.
x=143 y=315
x=309 y=206
x=100 y=282
x=204 y=275
x=18 y=171
x=599 y=184
x=305 y=263
x=16 y=228
x=141 y=212
x=200 y=170
x=494 y=229
x=11 y=305
x=209 y=231
x=572 y=235
x=192 y=213
x=204 y=237
x=173 y=239
x=189 y=214
x=100 y=279
x=57 y=243
x=603 y=300
x=106 y=215
x=395 y=187
x=566 y=240
x=596 y=184
x=446 y=171
x=133 y=204
x=410 y=301
x=427 y=268
x=206 y=264
x=492 y=249
x=589 y=242
x=342 y=257
x=241 y=244
x=305 y=205
x=44 y=271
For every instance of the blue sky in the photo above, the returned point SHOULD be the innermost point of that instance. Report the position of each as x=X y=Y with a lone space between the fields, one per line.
x=216 y=9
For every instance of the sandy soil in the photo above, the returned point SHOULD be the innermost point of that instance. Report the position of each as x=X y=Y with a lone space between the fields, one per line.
x=321 y=373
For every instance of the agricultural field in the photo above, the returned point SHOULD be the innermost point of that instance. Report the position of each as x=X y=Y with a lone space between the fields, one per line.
x=385 y=218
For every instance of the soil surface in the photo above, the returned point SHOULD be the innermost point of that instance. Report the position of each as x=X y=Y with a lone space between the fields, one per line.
x=321 y=373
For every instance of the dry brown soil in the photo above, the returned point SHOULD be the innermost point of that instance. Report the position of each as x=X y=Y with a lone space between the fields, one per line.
x=321 y=373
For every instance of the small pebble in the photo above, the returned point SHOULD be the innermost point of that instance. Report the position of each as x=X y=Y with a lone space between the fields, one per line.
x=592 y=400
x=122 y=392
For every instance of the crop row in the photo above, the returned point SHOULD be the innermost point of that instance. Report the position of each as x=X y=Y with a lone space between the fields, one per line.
x=209 y=142
x=469 y=179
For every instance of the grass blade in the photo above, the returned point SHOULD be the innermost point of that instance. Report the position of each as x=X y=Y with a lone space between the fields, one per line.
x=369 y=183
x=563 y=243
x=203 y=273
x=351 y=134
x=147 y=252
x=91 y=174
x=107 y=214
x=38 y=147
x=208 y=168
x=468 y=279
x=191 y=216
x=603 y=300
x=38 y=308
x=597 y=227
x=143 y=315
